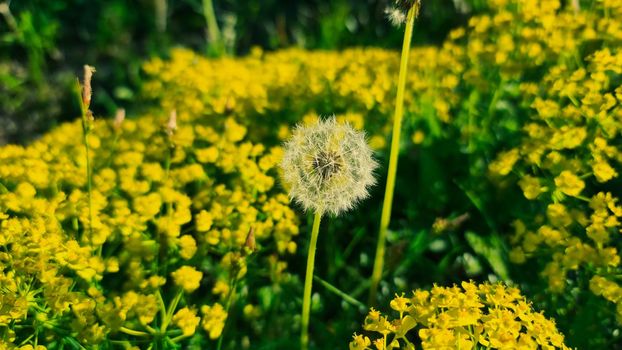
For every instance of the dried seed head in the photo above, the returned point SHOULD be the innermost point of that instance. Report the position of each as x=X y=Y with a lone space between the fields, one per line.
x=328 y=166
x=86 y=90
x=250 y=246
x=171 y=125
x=119 y=118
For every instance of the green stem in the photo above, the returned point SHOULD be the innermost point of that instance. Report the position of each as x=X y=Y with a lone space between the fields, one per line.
x=230 y=297
x=161 y=8
x=214 y=41
x=171 y=310
x=133 y=332
x=345 y=296
x=395 y=145
x=89 y=182
x=178 y=338
x=89 y=175
x=161 y=261
x=306 y=300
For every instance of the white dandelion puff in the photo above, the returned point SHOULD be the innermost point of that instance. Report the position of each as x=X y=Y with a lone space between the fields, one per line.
x=395 y=15
x=328 y=167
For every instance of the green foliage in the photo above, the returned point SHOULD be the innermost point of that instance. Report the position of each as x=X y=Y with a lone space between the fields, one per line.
x=49 y=40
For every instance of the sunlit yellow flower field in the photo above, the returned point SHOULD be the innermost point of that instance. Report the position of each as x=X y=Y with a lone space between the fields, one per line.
x=180 y=226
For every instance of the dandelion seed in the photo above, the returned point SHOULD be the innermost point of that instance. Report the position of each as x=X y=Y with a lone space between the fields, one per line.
x=328 y=167
x=395 y=15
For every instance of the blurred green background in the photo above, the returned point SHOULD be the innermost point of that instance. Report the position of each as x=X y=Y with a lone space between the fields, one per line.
x=44 y=44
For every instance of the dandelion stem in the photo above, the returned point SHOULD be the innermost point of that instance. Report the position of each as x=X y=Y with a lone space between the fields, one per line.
x=395 y=144
x=306 y=300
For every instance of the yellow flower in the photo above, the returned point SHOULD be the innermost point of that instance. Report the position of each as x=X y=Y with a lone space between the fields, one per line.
x=186 y=319
x=203 y=221
x=558 y=215
x=234 y=132
x=188 y=278
x=496 y=315
x=569 y=183
x=400 y=304
x=207 y=155
x=187 y=247
x=359 y=342
x=603 y=171
x=531 y=187
x=214 y=318
x=504 y=163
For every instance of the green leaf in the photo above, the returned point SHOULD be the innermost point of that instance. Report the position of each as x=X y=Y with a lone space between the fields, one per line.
x=490 y=248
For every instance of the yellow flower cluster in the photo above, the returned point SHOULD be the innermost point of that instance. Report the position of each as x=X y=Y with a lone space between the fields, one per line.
x=508 y=45
x=164 y=205
x=270 y=91
x=567 y=151
x=484 y=316
x=172 y=202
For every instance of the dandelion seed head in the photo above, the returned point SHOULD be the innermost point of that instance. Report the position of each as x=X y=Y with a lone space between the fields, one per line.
x=328 y=166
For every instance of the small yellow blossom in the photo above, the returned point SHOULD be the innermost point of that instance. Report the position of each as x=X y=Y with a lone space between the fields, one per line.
x=203 y=221
x=187 y=320
x=603 y=171
x=359 y=342
x=187 y=247
x=569 y=183
x=213 y=321
x=504 y=163
x=188 y=278
x=531 y=187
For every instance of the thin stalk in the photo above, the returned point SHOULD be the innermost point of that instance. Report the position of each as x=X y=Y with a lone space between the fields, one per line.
x=10 y=19
x=395 y=145
x=161 y=262
x=161 y=9
x=85 y=140
x=345 y=296
x=161 y=305
x=133 y=332
x=89 y=182
x=230 y=297
x=306 y=300
x=214 y=40
x=169 y=313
